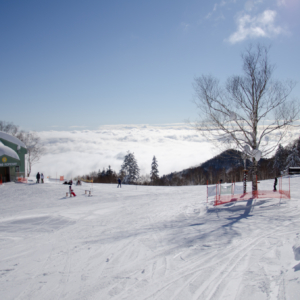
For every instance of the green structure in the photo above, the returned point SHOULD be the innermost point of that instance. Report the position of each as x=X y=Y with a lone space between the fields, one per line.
x=12 y=157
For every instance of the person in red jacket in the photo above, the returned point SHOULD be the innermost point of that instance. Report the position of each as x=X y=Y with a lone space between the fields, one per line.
x=71 y=191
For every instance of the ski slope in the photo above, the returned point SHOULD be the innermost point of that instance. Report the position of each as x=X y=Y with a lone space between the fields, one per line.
x=146 y=243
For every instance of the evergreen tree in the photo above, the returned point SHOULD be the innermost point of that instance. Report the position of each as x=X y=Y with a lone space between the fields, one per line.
x=130 y=167
x=154 y=170
x=293 y=159
x=109 y=171
x=297 y=144
x=122 y=175
x=279 y=159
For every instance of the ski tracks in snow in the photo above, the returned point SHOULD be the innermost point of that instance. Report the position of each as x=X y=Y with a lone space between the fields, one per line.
x=152 y=243
x=222 y=275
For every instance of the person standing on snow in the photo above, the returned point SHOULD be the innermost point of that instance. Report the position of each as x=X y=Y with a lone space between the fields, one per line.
x=42 y=178
x=70 y=189
x=38 y=177
x=119 y=182
x=275 y=183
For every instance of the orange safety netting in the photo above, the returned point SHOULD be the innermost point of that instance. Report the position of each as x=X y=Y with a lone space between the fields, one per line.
x=21 y=179
x=259 y=194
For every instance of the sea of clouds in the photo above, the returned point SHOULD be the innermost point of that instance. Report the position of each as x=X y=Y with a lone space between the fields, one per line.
x=176 y=147
x=72 y=153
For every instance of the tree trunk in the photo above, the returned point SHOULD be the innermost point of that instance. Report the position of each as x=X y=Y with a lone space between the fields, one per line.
x=254 y=174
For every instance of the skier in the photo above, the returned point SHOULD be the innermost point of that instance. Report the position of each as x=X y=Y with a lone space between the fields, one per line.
x=38 y=177
x=275 y=183
x=42 y=178
x=119 y=182
x=70 y=190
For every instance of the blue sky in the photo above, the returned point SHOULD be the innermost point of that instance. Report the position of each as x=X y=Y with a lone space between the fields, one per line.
x=82 y=64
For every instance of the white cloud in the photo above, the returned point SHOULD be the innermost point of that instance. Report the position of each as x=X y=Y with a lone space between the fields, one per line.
x=251 y=4
x=184 y=26
x=281 y=2
x=216 y=5
x=262 y=25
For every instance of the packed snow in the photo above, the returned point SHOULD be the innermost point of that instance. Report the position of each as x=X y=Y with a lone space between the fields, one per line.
x=4 y=150
x=146 y=242
x=12 y=139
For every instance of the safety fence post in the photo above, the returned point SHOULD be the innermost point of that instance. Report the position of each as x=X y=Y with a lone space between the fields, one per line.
x=289 y=187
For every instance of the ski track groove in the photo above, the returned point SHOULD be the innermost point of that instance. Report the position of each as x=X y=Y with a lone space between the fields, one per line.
x=65 y=273
x=221 y=278
x=217 y=261
x=29 y=287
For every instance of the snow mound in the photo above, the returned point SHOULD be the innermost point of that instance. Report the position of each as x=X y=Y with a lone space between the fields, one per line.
x=4 y=150
x=12 y=139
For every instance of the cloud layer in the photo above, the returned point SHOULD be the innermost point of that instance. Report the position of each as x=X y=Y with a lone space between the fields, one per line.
x=176 y=147
x=72 y=153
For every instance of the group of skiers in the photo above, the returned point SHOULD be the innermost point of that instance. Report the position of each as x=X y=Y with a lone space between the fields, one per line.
x=39 y=176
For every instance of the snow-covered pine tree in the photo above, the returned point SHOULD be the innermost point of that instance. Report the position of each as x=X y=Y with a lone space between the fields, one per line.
x=279 y=159
x=130 y=167
x=293 y=159
x=109 y=171
x=154 y=170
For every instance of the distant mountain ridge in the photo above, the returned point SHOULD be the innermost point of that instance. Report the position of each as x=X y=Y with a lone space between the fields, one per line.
x=227 y=166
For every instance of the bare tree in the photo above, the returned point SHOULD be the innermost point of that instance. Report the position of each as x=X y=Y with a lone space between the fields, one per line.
x=33 y=143
x=35 y=149
x=250 y=110
x=9 y=127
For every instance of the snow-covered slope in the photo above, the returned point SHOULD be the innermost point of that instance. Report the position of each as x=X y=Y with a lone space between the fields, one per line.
x=145 y=243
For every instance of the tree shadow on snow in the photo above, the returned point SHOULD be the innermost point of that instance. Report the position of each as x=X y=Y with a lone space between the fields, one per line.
x=197 y=224
x=296 y=268
x=245 y=215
